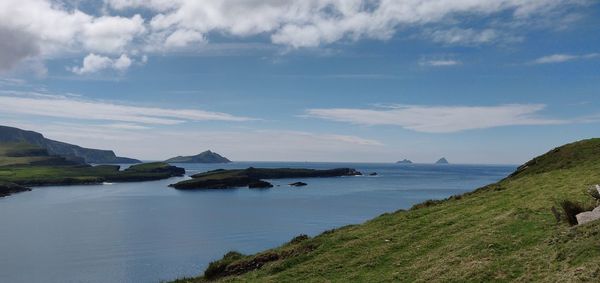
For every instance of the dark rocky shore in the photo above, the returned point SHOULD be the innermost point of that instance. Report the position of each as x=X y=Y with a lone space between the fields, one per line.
x=253 y=177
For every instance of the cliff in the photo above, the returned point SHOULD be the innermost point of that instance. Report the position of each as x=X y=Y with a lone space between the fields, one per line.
x=69 y=151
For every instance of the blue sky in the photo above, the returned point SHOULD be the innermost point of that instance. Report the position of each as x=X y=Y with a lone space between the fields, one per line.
x=319 y=80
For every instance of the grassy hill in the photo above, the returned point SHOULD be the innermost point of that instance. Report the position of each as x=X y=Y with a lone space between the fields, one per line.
x=23 y=165
x=70 y=151
x=502 y=232
x=20 y=154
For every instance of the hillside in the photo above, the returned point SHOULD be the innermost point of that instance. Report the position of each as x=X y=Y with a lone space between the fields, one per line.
x=23 y=165
x=204 y=157
x=70 y=151
x=502 y=232
x=14 y=154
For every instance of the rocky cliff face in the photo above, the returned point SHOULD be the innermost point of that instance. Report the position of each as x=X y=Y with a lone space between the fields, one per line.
x=69 y=151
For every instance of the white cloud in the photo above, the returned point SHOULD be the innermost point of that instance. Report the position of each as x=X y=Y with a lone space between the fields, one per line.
x=79 y=109
x=122 y=63
x=95 y=63
x=111 y=34
x=441 y=119
x=182 y=38
x=51 y=28
x=561 y=58
x=439 y=63
x=464 y=36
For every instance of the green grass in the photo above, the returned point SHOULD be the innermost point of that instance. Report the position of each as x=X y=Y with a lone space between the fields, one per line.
x=19 y=154
x=28 y=165
x=499 y=233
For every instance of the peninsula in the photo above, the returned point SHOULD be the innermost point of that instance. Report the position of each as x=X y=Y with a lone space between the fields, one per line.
x=23 y=165
x=252 y=177
x=204 y=157
x=69 y=151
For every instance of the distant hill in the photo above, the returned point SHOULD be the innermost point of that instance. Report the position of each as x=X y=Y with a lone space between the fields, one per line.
x=442 y=161
x=69 y=151
x=204 y=157
x=23 y=165
x=24 y=154
x=405 y=161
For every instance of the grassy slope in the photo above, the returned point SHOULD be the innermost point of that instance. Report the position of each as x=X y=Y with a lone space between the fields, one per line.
x=12 y=154
x=30 y=165
x=502 y=232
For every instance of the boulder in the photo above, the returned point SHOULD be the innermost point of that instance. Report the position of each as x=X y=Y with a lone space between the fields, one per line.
x=373 y=174
x=588 y=216
x=298 y=184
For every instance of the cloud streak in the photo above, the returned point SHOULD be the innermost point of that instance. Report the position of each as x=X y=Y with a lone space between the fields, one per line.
x=562 y=58
x=79 y=109
x=440 y=119
x=248 y=144
x=440 y=63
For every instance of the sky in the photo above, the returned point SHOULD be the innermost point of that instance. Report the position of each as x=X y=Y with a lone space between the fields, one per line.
x=475 y=81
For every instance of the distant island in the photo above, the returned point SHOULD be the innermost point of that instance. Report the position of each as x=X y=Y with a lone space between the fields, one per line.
x=68 y=151
x=252 y=177
x=442 y=161
x=23 y=165
x=405 y=161
x=204 y=157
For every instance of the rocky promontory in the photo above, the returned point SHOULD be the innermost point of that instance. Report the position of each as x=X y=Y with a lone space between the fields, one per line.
x=25 y=165
x=7 y=189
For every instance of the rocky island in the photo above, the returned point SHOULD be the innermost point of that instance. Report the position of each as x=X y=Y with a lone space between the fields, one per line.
x=405 y=161
x=442 y=161
x=23 y=165
x=253 y=177
x=204 y=157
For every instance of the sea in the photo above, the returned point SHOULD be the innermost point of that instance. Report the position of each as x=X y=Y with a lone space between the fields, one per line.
x=149 y=232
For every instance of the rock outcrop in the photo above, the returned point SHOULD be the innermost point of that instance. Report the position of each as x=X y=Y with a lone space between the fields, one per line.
x=7 y=189
x=588 y=216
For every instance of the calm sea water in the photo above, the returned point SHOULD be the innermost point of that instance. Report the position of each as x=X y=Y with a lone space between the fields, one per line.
x=147 y=232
